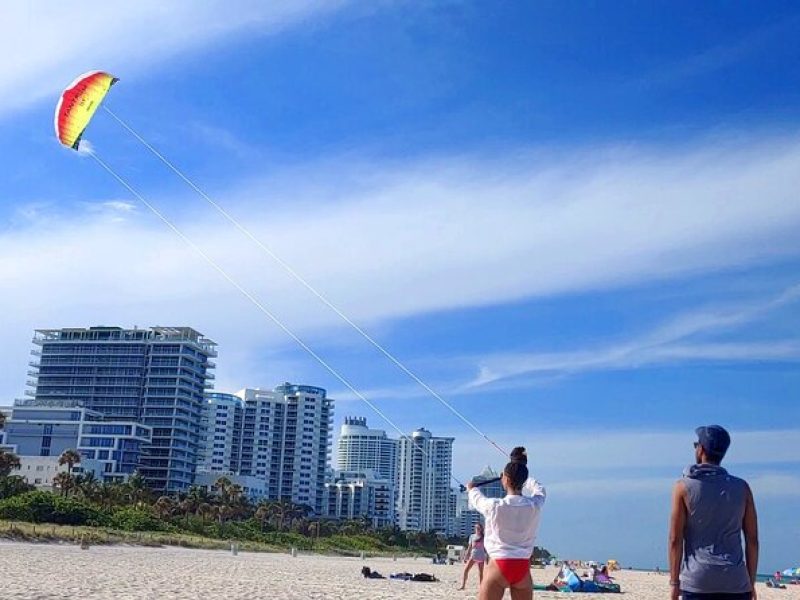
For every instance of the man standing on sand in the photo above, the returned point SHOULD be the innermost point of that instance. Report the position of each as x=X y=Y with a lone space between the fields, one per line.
x=711 y=509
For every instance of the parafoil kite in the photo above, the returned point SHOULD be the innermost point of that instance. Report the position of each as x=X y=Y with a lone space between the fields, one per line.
x=78 y=104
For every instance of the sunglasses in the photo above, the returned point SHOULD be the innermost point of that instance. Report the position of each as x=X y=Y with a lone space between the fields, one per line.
x=696 y=445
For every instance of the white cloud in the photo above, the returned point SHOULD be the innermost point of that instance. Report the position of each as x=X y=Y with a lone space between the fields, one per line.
x=663 y=345
x=562 y=456
x=610 y=486
x=385 y=241
x=763 y=486
x=51 y=43
x=120 y=205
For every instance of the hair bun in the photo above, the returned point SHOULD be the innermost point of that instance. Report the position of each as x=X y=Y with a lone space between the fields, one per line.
x=518 y=455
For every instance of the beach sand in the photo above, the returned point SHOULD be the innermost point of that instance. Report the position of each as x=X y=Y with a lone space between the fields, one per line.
x=40 y=571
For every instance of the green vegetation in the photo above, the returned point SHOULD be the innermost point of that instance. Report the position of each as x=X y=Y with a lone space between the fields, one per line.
x=81 y=507
x=128 y=512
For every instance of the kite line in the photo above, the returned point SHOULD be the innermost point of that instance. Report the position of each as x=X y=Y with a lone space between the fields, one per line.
x=302 y=281
x=257 y=303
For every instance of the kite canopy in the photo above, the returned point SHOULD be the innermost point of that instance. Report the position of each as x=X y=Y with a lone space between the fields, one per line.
x=78 y=104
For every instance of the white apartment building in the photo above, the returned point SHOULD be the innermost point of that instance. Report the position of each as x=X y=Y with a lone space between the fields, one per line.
x=252 y=487
x=424 y=500
x=361 y=448
x=220 y=432
x=280 y=436
x=360 y=495
x=286 y=439
x=39 y=471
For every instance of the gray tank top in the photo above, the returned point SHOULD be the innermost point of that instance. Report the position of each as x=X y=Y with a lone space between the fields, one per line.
x=713 y=555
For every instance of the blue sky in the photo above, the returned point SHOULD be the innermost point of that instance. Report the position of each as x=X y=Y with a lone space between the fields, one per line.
x=577 y=221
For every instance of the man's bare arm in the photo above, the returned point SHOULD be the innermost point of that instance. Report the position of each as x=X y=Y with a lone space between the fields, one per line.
x=677 y=525
x=750 y=528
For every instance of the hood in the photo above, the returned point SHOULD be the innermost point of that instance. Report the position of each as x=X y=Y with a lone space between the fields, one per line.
x=704 y=471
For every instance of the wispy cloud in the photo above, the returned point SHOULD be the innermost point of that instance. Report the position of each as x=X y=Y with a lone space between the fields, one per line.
x=385 y=241
x=764 y=486
x=610 y=486
x=51 y=43
x=560 y=456
x=224 y=139
x=723 y=56
x=665 y=344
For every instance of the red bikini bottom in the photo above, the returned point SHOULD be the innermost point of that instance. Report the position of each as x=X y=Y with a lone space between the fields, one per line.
x=513 y=569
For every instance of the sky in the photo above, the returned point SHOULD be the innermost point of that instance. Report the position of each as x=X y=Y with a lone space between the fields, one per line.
x=576 y=221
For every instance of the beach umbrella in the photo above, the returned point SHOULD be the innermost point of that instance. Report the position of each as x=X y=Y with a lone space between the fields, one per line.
x=795 y=572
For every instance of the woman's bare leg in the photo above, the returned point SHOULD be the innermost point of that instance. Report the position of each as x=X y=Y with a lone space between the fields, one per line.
x=480 y=573
x=493 y=585
x=523 y=590
x=466 y=573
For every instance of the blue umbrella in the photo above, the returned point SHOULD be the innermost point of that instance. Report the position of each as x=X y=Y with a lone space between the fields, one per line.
x=792 y=572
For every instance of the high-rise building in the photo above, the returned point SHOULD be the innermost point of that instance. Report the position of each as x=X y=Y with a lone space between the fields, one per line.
x=154 y=376
x=424 y=471
x=220 y=433
x=360 y=448
x=286 y=440
x=360 y=495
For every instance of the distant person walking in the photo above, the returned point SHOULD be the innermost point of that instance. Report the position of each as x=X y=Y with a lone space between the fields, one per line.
x=475 y=554
x=711 y=510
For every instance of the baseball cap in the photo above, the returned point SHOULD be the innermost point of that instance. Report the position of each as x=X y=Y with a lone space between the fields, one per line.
x=714 y=439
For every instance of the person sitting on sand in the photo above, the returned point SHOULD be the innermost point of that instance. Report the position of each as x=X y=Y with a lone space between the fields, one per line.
x=370 y=574
x=426 y=577
x=602 y=575
x=475 y=554
x=511 y=526
x=560 y=580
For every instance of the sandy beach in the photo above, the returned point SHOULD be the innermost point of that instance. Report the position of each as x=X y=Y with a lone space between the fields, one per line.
x=36 y=571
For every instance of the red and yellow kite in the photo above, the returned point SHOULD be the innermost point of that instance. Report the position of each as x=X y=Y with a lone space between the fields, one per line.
x=78 y=104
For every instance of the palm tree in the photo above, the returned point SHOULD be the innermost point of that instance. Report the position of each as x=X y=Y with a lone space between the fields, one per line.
x=294 y=513
x=222 y=485
x=223 y=512
x=137 y=490
x=87 y=485
x=235 y=493
x=264 y=513
x=8 y=462
x=164 y=507
x=110 y=494
x=70 y=458
x=285 y=511
x=187 y=506
x=198 y=494
x=65 y=482
x=205 y=510
x=238 y=502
